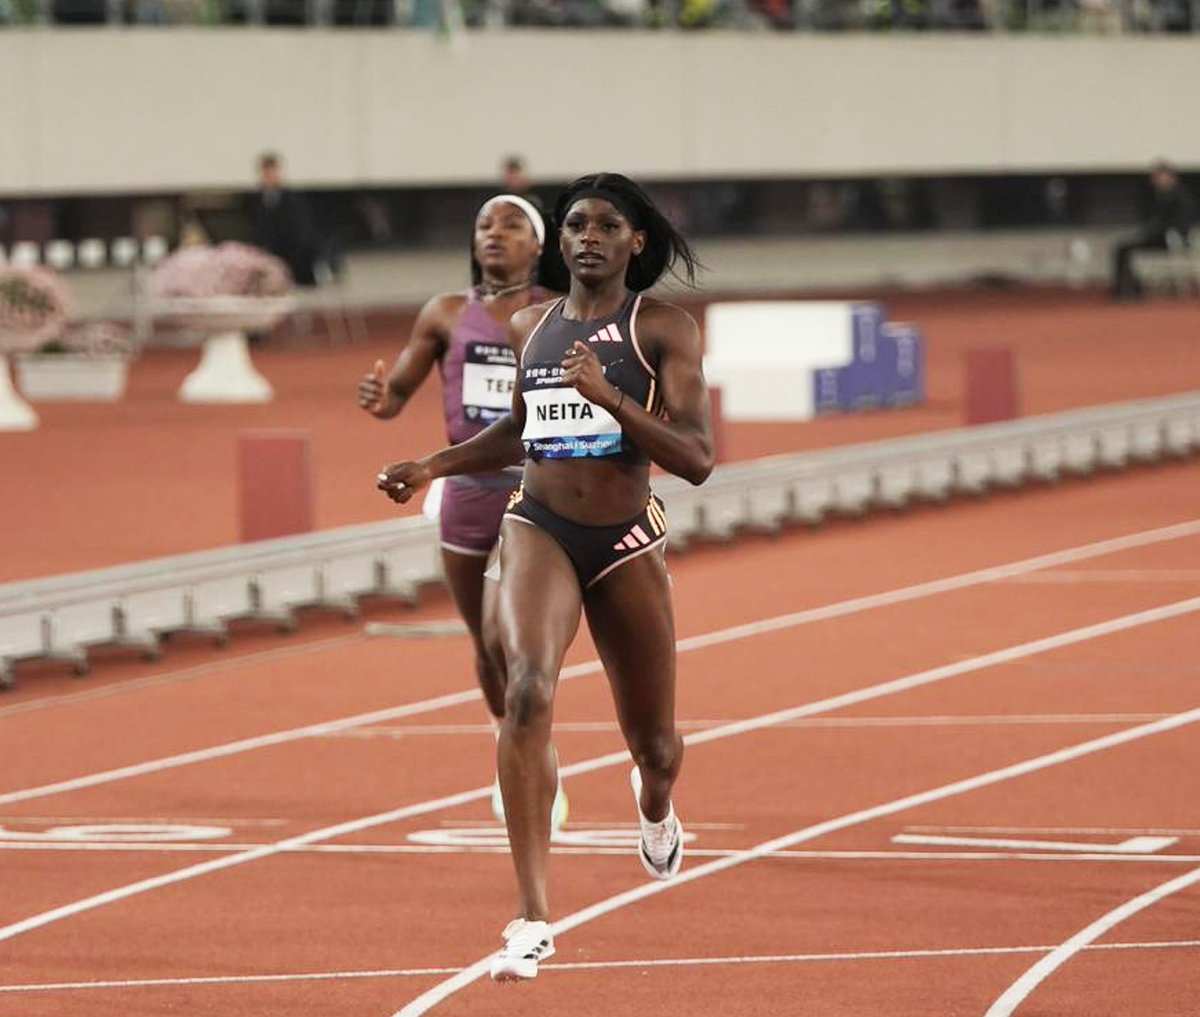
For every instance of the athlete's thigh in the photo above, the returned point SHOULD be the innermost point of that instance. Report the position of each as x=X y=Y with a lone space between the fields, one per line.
x=632 y=623
x=538 y=601
x=464 y=576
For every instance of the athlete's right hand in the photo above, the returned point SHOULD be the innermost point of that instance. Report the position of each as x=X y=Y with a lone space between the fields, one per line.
x=372 y=390
x=400 y=481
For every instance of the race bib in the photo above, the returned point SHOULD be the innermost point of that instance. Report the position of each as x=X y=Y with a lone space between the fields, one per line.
x=561 y=424
x=489 y=374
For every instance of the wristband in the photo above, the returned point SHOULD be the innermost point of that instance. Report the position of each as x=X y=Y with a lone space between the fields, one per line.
x=619 y=402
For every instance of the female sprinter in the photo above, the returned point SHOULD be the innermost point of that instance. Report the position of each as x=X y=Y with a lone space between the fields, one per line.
x=609 y=381
x=466 y=335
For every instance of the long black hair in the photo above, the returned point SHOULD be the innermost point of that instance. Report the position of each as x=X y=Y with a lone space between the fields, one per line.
x=550 y=272
x=665 y=250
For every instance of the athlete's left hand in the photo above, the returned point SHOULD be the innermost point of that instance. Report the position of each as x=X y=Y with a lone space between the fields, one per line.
x=583 y=371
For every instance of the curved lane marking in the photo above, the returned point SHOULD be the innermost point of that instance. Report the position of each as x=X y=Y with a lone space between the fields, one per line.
x=1017 y=993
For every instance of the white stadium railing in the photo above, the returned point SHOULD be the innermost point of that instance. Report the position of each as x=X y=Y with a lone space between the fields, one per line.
x=139 y=604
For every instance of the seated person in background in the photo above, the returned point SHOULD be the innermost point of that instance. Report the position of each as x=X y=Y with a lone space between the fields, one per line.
x=282 y=223
x=1169 y=225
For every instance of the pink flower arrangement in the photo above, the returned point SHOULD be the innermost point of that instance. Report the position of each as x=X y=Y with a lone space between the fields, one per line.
x=97 y=338
x=34 y=307
x=229 y=270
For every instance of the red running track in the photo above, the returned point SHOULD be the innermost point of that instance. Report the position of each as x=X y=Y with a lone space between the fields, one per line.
x=942 y=763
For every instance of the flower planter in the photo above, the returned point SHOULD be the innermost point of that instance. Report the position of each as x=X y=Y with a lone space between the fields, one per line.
x=226 y=372
x=47 y=377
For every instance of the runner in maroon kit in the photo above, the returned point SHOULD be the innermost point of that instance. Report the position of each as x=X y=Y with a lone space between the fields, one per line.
x=465 y=334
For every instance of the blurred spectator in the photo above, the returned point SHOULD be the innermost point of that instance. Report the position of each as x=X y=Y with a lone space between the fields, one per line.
x=78 y=12
x=282 y=222
x=565 y=14
x=376 y=216
x=776 y=13
x=174 y=12
x=1169 y=225
x=514 y=178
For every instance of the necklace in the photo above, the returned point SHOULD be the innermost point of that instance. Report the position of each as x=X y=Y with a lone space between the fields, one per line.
x=490 y=289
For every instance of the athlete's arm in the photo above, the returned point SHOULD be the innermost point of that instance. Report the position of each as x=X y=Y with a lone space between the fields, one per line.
x=496 y=446
x=426 y=344
x=682 y=443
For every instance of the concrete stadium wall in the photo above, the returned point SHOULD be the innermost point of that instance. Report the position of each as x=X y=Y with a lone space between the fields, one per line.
x=93 y=111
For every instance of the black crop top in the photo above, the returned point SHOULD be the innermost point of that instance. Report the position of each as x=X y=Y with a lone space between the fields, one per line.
x=559 y=422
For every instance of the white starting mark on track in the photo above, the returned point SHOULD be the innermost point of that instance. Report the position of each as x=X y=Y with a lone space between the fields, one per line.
x=115 y=833
x=624 y=837
x=1132 y=846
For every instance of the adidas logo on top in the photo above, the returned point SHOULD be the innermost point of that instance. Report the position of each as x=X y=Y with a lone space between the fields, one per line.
x=608 y=334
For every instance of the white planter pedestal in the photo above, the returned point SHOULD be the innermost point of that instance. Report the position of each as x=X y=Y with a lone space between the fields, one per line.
x=74 y=377
x=15 y=413
x=225 y=373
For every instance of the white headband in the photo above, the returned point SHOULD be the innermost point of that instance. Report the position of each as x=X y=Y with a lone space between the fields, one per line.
x=534 y=216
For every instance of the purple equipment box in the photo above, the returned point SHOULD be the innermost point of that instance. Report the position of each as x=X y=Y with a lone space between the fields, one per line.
x=856 y=385
x=902 y=364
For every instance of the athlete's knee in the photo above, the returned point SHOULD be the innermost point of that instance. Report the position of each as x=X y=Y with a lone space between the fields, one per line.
x=529 y=697
x=660 y=752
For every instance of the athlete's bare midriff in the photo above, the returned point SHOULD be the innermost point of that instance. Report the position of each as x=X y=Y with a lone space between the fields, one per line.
x=595 y=492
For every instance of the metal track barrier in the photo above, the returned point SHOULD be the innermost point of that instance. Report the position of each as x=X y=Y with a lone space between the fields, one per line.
x=139 y=604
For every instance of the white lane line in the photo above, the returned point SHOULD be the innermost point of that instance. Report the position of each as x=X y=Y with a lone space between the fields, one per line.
x=235 y=748
x=1016 y=993
x=937 y=674
x=428 y=1000
x=1130 y=846
x=196 y=820
x=727 y=635
x=567 y=966
x=611 y=727
x=620 y=758
x=1091 y=831
x=183 y=674
x=952 y=583
x=213 y=848
x=1115 y=576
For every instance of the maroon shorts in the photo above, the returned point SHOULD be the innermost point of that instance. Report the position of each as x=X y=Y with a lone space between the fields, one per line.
x=471 y=512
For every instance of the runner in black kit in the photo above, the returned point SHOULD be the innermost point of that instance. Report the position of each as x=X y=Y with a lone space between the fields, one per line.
x=609 y=381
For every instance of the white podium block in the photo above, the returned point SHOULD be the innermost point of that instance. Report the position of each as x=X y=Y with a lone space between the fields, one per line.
x=225 y=373
x=774 y=393
x=15 y=413
x=763 y=354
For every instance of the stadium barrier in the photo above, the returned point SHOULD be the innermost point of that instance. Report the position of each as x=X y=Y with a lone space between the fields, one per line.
x=139 y=604
x=1174 y=270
